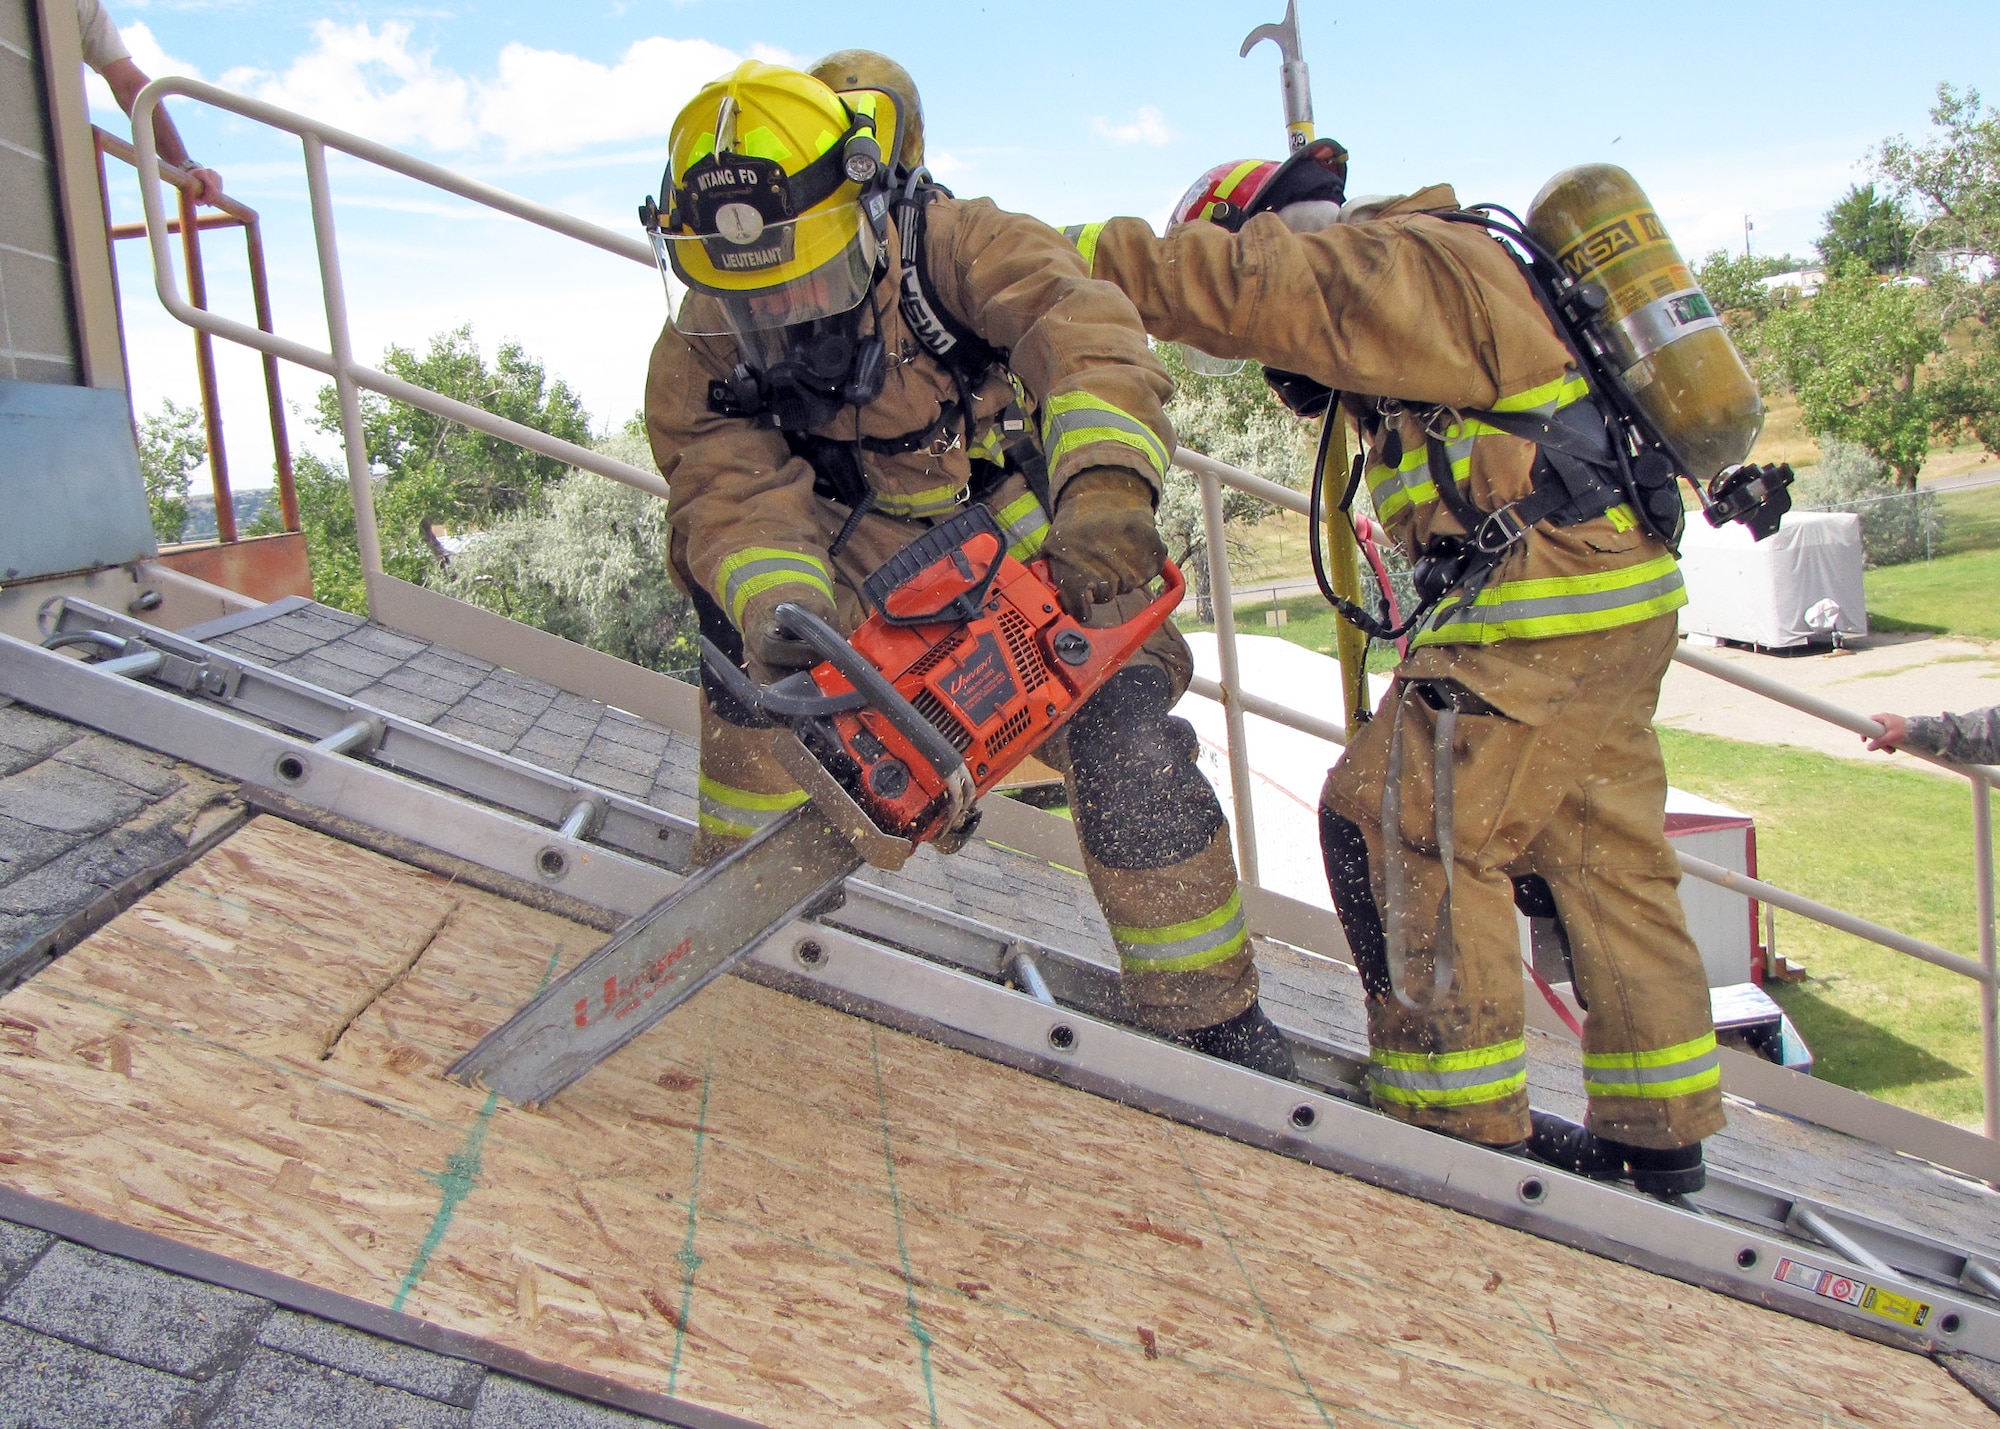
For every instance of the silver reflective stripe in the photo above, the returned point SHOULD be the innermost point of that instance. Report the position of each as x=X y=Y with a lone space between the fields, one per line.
x=1542 y=607
x=1067 y=425
x=1448 y=1081
x=1025 y=535
x=806 y=568
x=1651 y=1076
x=1148 y=953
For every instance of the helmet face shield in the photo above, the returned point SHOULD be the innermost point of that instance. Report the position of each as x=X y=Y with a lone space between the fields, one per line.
x=745 y=266
x=1202 y=365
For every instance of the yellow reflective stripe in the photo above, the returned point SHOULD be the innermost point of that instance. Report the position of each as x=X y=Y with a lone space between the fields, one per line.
x=1496 y=1055
x=1563 y=605
x=1449 y=1079
x=1029 y=545
x=1085 y=236
x=1679 y=1087
x=1675 y=1071
x=1024 y=524
x=1451 y=1096
x=988 y=447
x=1554 y=395
x=1664 y=1057
x=761 y=143
x=937 y=501
x=1076 y=419
x=739 y=813
x=756 y=569
x=1409 y=484
x=1236 y=176
x=1622 y=517
x=1183 y=947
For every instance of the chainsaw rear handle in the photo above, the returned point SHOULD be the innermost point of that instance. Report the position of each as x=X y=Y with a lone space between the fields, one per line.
x=924 y=737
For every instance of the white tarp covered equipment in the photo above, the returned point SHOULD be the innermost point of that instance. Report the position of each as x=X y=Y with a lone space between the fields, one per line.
x=1802 y=584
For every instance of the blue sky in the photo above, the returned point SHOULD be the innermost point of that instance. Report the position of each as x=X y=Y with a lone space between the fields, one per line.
x=1070 y=112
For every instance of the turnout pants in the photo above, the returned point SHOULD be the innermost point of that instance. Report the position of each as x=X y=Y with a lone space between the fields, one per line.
x=1155 y=844
x=1554 y=770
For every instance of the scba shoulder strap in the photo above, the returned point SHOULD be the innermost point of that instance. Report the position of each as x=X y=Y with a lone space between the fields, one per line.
x=967 y=355
x=1641 y=467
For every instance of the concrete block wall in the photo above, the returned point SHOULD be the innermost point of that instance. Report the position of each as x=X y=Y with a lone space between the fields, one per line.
x=37 y=322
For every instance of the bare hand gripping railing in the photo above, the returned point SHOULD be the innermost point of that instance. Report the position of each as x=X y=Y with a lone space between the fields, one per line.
x=349 y=376
x=1237 y=702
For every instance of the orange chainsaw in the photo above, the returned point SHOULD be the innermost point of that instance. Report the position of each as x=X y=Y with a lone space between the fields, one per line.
x=967 y=666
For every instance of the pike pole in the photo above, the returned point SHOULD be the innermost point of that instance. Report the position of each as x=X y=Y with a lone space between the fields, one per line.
x=1342 y=551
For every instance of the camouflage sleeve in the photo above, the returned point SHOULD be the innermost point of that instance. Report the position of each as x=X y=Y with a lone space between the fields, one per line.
x=1969 y=738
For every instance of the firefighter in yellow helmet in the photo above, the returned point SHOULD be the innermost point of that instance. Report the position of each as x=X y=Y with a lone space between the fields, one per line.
x=860 y=355
x=1514 y=756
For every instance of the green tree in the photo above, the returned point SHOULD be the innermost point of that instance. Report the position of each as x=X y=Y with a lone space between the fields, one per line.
x=1235 y=420
x=1953 y=177
x=435 y=474
x=1872 y=229
x=173 y=443
x=1733 y=281
x=1954 y=180
x=590 y=566
x=326 y=516
x=1855 y=355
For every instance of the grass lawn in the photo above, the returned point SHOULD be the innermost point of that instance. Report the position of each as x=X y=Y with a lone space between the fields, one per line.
x=1953 y=593
x=1878 y=1021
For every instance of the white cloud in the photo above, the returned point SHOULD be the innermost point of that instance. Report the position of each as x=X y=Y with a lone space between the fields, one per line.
x=371 y=82
x=946 y=166
x=547 y=102
x=1148 y=126
x=148 y=54
x=536 y=103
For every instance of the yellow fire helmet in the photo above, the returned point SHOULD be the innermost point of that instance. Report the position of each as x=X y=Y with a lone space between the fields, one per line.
x=766 y=178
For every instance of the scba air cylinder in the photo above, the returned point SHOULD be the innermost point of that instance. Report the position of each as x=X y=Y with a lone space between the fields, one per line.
x=1672 y=351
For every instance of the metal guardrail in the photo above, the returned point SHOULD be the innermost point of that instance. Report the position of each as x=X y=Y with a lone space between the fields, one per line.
x=190 y=226
x=1237 y=702
x=351 y=376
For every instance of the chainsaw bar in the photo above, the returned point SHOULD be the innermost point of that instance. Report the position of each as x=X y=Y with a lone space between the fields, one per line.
x=660 y=959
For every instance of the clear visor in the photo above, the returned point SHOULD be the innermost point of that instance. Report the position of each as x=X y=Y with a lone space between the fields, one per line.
x=1202 y=365
x=767 y=276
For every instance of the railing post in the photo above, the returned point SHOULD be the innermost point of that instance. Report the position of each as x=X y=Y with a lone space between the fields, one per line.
x=360 y=476
x=1989 y=987
x=204 y=366
x=1222 y=597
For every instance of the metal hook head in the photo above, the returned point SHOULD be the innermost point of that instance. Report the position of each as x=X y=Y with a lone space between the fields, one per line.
x=1285 y=34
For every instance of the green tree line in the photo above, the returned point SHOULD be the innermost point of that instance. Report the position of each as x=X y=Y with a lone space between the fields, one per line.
x=1899 y=349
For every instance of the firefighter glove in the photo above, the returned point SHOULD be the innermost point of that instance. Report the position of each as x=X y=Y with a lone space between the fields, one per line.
x=770 y=652
x=1103 y=541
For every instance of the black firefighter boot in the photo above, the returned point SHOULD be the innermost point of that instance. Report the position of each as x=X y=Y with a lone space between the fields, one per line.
x=1249 y=1039
x=1665 y=1173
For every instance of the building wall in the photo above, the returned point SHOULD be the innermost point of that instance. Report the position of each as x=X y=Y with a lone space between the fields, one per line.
x=38 y=341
